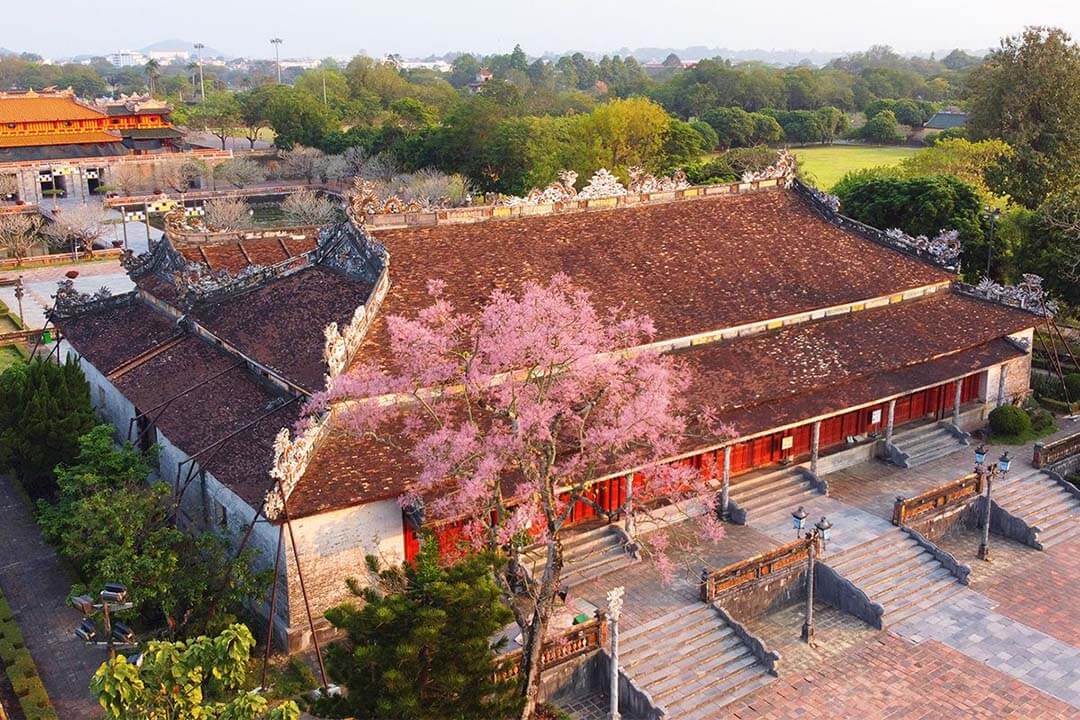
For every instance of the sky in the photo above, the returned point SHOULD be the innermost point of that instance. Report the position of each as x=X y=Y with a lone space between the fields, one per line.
x=318 y=28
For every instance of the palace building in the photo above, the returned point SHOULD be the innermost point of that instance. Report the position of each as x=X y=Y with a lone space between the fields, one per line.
x=814 y=336
x=52 y=140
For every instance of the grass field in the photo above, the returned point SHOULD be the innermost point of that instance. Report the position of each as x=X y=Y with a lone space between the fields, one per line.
x=828 y=163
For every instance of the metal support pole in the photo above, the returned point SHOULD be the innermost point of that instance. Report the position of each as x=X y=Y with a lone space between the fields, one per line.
x=108 y=628
x=808 y=624
x=815 y=446
x=725 y=489
x=984 y=549
x=956 y=403
x=891 y=422
x=273 y=606
x=1001 y=384
x=303 y=588
x=123 y=221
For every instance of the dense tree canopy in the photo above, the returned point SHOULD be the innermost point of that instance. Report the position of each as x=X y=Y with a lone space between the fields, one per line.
x=1028 y=94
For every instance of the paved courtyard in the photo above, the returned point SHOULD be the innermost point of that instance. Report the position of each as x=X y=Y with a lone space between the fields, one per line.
x=1006 y=646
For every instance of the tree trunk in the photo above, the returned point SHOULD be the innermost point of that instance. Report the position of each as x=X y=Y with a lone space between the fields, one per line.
x=533 y=651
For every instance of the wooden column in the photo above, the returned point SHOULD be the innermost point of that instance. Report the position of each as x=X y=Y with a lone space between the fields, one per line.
x=1001 y=384
x=890 y=422
x=956 y=403
x=725 y=492
x=629 y=519
x=815 y=445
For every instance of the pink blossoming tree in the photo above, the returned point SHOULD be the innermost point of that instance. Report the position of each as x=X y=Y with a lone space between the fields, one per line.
x=510 y=414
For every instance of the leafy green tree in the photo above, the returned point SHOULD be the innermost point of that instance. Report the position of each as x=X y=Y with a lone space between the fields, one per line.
x=682 y=144
x=708 y=135
x=920 y=206
x=201 y=679
x=254 y=114
x=766 y=130
x=219 y=114
x=115 y=526
x=734 y=126
x=973 y=162
x=1028 y=94
x=1052 y=244
x=833 y=123
x=882 y=129
x=628 y=132
x=297 y=118
x=418 y=644
x=463 y=70
x=44 y=409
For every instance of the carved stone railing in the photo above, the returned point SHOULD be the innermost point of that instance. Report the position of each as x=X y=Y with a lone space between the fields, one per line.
x=574 y=642
x=1051 y=453
x=717 y=582
x=936 y=500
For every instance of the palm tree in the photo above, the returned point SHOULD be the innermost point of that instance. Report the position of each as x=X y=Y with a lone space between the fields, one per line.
x=153 y=72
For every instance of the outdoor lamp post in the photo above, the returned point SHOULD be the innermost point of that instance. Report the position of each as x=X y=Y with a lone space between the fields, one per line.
x=988 y=474
x=202 y=83
x=113 y=598
x=798 y=521
x=276 y=42
x=19 y=292
x=615 y=601
x=820 y=532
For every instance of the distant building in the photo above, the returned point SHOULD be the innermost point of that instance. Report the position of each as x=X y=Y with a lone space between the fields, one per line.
x=53 y=141
x=946 y=120
x=170 y=56
x=483 y=77
x=126 y=58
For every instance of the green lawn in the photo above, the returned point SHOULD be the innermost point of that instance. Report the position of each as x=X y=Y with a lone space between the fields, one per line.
x=828 y=163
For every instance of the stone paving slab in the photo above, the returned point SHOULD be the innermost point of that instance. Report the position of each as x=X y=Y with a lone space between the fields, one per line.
x=835 y=632
x=968 y=623
x=889 y=677
x=851 y=525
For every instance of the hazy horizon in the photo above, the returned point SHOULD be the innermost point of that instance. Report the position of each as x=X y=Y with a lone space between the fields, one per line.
x=434 y=28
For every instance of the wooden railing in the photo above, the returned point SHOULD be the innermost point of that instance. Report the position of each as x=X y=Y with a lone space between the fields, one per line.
x=945 y=496
x=1051 y=453
x=576 y=641
x=716 y=582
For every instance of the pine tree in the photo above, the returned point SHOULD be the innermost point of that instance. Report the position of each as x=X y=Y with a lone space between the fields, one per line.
x=420 y=645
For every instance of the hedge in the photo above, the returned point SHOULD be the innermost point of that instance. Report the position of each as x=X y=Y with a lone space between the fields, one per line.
x=21 y=670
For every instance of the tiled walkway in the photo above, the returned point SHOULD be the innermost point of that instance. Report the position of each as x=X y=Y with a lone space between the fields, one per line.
x=36 y=587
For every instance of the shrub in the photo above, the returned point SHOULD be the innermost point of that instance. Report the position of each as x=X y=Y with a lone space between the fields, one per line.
x=1009 y=420
x=713 y=172
x=7 y=651
x=1072 y=385
x=1041 y=420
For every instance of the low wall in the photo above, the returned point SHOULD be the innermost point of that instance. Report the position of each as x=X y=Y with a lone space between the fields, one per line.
x=834 y=589
x=1052 y=454
x=769 y=658
x=950 y=563
x=766 y=594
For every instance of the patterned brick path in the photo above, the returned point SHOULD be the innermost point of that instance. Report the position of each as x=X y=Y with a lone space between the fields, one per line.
x=36 y=586
x=888 y=677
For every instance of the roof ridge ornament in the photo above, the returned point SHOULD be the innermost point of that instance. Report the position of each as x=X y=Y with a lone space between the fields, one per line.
x=1028 y=294
x=69 y=302
x=783 y=169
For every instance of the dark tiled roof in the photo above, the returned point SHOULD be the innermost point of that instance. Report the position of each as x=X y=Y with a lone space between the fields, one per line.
x=691 y=266
x=109 y=338
x=756 y=383
x=944 y=120
x=281 y=324
x=216 y=397
x=235 y=256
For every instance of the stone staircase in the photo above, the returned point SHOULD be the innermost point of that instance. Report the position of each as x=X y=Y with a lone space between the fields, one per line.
x=898 y=573
x=924 y=443
x=780 y=490
x=1041 y=502
x=690 y=662
x=587 y=555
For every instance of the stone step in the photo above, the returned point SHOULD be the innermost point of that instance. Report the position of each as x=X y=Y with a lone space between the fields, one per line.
x=941 y=591
x=747 y=482
x=783 y=503
x=891 y=543
x=906 y=588
x=1053 y=522
x=1059 y=534
x=873 y=575
x=707 y=710
x=598 y=569
x=646 y=660
x=1042 y=506
x=690 y=665
x=908 y=434
x=700 y=675
x=933 y=442
x=780 y=484
x=1027 y=496
x=711 y=690
x=665 y=623
x=923 y=458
